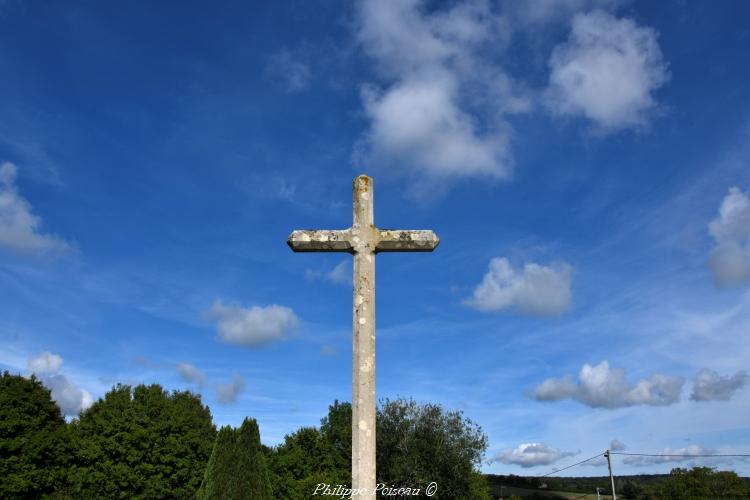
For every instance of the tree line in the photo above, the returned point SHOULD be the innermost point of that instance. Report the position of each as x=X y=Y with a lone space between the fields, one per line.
x=697 y=483
x=144 y=442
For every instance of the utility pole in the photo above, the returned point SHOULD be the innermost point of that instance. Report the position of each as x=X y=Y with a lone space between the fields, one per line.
x=611 y=479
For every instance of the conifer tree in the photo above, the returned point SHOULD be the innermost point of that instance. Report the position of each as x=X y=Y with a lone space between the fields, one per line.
x=219 y=478
x=237 y=468
x=252 y=476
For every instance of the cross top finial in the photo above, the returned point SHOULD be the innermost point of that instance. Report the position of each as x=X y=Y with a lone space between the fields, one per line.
x=362 y=202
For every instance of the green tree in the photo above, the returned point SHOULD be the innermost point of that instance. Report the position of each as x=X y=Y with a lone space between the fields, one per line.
x=631 y=491
x=479 y=488
x=251 y=473
x=142 y=442
x=311 y=456
x=34 y=442
x=698 y=483
x=219 y=477
x=237 y=467
x=416 y=445
x=301 y=462
x=419 y=444
x=336 y=435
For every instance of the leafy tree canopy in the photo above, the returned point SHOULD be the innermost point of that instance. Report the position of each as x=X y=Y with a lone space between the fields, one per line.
x=237 y=467
x=143 y=442
x=33 y=439
x=419 y=444
x=416 y=444
x=699 y=482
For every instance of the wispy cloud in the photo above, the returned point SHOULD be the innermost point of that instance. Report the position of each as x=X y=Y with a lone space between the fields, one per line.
x=341 y=274
x=290 y=70
x=607 y=72
x=601 y=461
x=600 y=387
x=227 y=393
x=328 y=350
x=670 y=456
x=533 y=289
x=190 y=373
x=539 y=13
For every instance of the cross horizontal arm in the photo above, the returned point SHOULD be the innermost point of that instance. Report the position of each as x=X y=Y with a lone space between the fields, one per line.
x=308 y=240
x=415 y=240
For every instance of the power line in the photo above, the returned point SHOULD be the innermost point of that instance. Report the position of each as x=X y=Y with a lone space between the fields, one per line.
x=680 y=455
x=683 y=455
x=573 y=465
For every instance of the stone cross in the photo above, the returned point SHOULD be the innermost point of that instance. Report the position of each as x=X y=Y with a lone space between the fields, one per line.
x=363 y=240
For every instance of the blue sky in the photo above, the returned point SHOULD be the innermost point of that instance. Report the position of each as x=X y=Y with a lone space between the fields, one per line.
x=585 y=164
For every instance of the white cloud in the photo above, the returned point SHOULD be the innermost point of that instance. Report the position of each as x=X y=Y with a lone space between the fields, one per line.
x=535 y=289
x=532 y=454
x=418 y=123
x=289 y=70
x=606 y=72
x=19 y=227
x=441 y=113
x=190 y=373
x=46 y=362
x=312 y=275
x=670 y=456
x=730 y=258
x=617 y=445
x=70 y=398
x=254 y=326
x=600 y=387
x=710 y=386
x=227 y=393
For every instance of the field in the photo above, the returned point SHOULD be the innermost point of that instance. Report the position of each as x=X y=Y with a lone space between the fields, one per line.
x=545 y=494
x=549 y=488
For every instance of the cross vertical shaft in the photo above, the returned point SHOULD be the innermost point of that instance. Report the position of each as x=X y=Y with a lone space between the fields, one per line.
x=363 y=240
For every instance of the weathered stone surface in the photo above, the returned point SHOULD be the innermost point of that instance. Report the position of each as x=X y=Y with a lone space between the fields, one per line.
x=309 y=240
x=363 y=240
x=417 y=240
x=358 y=239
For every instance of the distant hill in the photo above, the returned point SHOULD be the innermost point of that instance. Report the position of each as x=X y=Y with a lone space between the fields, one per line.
x=549 y=488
